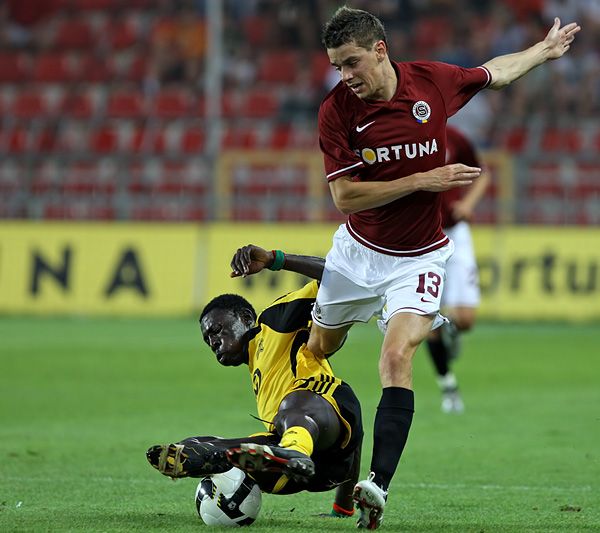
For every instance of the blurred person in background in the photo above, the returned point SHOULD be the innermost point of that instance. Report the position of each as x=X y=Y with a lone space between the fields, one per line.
x=178 y=42
x=382 y=131
x=460 y=298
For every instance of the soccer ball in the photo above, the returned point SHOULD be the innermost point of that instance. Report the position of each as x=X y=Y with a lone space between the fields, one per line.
x=228 y=499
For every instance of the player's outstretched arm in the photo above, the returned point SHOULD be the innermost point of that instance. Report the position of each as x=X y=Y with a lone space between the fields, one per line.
x=510 y=67
x=251 y=259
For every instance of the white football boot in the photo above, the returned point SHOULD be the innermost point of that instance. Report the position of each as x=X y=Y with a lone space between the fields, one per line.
x=369 y=499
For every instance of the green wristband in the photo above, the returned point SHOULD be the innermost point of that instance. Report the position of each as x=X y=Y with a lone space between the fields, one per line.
x=278 y=260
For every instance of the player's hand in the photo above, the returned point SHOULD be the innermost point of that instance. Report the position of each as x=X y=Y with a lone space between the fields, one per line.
x=559 y=40
x=250 y=259
x=448 y=177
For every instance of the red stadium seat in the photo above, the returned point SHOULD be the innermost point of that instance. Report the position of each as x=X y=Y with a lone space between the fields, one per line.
x=281 y=137
x=515 y=139
x=104 y=139
x=137 y=69
x=14 y=67
x=17 y=139
x=256 y=30
x=125 y=104
x=172 y=103
x=53 y=67
x=80 y=105
x=74 y=33
x=192 y=139
x=259 y=103
x=98 y=5
x=561 y=140
x=278 y=67
x=122 y=33
x=30 y=104
x=147 y=139
x=95 y=69
x=229 y=105
x=242 y=137
x=45 y=139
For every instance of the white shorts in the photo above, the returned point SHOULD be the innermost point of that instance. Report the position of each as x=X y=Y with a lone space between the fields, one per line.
x=462 y=276
x=359 y=283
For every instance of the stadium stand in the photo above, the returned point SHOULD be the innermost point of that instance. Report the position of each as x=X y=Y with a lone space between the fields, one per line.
x=97 y=124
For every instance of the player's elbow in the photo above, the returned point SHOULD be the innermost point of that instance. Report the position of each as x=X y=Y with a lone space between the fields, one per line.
x=344 y=195
x=345 y=201
x=345 y=207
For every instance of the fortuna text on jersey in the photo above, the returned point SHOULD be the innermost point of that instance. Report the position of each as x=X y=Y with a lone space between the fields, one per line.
x=397 y=151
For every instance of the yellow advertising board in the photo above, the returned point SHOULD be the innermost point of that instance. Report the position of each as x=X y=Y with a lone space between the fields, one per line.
x=526 y=273
x=550 y=273
x=66 y=268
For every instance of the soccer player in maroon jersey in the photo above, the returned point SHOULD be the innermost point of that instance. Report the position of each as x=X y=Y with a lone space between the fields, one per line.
x=460 y=298
x=382 y=131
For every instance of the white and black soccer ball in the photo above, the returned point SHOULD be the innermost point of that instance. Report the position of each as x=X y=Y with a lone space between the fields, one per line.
x=228 y=499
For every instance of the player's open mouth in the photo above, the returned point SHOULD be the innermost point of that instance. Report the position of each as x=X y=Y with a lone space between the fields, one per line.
x=355 y=87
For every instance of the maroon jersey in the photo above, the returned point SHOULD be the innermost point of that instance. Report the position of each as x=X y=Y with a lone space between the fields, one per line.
x=384 y=141
x=458 y=150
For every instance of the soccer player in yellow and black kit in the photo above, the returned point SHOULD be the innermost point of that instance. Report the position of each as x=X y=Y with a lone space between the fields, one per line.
x=312 y=418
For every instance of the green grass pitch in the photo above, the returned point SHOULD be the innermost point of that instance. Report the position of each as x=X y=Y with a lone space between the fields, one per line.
x=82 y=399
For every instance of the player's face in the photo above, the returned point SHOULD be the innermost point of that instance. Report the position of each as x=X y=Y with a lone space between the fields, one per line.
x=361 y=69
x=224 y=332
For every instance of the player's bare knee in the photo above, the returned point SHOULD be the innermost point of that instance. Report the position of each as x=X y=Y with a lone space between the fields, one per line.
x=396 y=362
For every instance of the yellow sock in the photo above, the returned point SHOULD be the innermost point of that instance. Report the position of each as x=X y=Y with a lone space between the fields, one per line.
x=299 y=439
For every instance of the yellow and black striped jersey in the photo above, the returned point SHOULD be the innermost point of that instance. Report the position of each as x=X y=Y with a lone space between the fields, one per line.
x=278 y=360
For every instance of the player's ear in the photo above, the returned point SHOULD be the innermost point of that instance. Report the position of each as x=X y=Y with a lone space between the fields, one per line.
x=247 y=317
x=380 y=50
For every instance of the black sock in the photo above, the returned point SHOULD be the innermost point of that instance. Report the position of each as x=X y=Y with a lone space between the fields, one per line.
x=439 y=356
x=392 y=424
